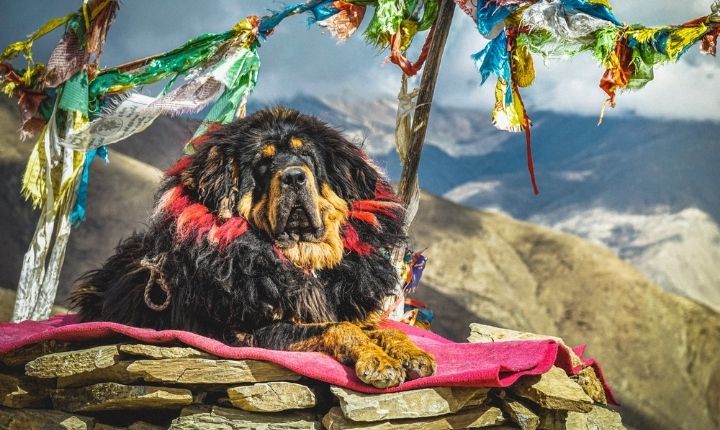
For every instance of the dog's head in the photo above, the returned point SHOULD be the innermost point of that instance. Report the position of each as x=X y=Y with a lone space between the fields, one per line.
x=287 y=175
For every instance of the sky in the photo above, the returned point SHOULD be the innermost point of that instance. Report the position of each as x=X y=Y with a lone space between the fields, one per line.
x=302 y=59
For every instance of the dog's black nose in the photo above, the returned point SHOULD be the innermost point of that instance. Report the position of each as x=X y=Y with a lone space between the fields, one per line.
x=294 y=177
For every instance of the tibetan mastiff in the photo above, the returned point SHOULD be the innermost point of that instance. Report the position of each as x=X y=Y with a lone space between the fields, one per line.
x=275 y=233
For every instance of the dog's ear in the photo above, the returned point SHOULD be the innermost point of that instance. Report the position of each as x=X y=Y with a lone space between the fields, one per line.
x=215 y=180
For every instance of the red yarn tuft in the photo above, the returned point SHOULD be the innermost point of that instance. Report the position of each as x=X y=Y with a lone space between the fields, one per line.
x=383 y=191
x=195 y=219
x=192 y=218
x=203 y=225
x=230 y=230
x=176 y=207
x=386 y=208
x=200 y=140
x=352 y=242
x=179 y=167
x=168 y=198
x=367 y=217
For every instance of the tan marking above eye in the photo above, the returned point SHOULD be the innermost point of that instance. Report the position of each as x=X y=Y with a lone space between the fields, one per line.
x=296 y=143
x=268 y=151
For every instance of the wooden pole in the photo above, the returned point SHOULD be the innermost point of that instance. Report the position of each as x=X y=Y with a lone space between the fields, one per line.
x=408 y=180
x=408 y=190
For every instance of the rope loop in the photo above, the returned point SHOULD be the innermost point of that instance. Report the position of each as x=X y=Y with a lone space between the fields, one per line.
x=154 y=266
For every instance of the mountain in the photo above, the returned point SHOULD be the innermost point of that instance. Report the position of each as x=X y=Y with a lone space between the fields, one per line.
x=643 y=188
x=640 y=187
x=655 y=347
x=659 y=351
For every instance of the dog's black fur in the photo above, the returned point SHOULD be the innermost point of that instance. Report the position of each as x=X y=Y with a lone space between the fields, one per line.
x=244 y=290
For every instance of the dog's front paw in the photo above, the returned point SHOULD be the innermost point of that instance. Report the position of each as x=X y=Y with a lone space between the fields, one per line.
x=380 y=371
x=418 y=364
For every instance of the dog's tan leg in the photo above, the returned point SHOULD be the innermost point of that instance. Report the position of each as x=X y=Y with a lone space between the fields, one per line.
x=416 y=362
x=350 y=345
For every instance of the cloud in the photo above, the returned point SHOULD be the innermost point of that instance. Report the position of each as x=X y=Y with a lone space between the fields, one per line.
x=682 y=90
x=297 y=59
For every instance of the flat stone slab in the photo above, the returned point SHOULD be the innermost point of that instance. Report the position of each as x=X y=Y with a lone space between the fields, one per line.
x=69 y=363
x=597 y=418
x=553 y=420
x=112 y=396
x=553 y=390
x=520 y=414
x=205 y=371
x=160 y=352
x=22 y=392
x=227 y=418
x=425 y=402
x=30 y=352
x=115 y=373
x=272 y=397
x=477 y=417
x=38 y=419
x=102 y=426
x=142 y=425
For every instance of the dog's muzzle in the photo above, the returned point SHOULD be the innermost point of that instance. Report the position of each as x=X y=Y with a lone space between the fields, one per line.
x=297 y=215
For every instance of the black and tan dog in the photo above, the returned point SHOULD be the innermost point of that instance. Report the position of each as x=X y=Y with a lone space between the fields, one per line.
x=275 y=234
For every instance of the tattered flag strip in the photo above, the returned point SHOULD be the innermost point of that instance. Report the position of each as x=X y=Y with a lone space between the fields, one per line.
x=78 y=108
x=564 y=28
x=345 y=22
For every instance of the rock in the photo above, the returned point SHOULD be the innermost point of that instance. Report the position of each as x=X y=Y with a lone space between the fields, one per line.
x=115 y=373
x=272 y=397
x=553 y=420
x=69 y=363
x=38 y=419
x=111 y=396
x=22 y=392
x=226 y=418
x=597 y=418
x=101 y=426
x=196 y=409
x=480 y=333
x=204 y=371
x=520 y=414
x=28 y=353
x=590 y=383
x=160 y=352
x=482 y=416
x=425 y=402
x=142 y=425
x=553 y=390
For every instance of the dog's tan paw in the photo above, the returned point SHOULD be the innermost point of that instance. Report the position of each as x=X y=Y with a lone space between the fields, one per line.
x=380 y=371
x=418 y=364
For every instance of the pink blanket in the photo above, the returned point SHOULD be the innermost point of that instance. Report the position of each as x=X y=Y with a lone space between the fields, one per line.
x=497 y=364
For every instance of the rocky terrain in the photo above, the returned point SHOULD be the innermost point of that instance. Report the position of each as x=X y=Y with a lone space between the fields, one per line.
x=135 y=386
x=658 y=350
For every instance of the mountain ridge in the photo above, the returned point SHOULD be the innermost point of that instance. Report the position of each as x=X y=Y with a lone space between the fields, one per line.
x=658 y=350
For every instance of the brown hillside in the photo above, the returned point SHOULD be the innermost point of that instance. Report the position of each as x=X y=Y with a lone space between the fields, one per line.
x=658 y=350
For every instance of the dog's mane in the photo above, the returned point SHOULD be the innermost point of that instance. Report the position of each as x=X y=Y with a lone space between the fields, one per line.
x=224 y=268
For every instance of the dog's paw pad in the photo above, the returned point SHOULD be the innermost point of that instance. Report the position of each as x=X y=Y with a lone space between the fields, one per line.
x=380 y=371
x=419 y=365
